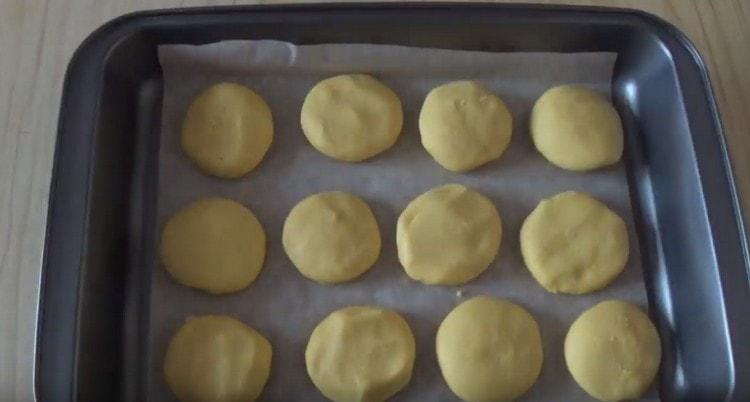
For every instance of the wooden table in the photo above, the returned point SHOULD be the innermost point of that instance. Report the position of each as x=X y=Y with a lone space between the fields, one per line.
x=37 y=38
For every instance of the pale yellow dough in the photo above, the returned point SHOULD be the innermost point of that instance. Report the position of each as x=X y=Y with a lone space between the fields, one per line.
x=227 y=130
x=463 y=125
x=572 y=243
x=217 y=358
x=613 y=351
x=331 y=237
x=576 y=128
x=361 y=354
x=489 y=350
x=214 y=244
x=351 y=117
x=448 y=235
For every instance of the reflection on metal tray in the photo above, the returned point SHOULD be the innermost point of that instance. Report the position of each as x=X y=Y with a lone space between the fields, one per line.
x=102 y=220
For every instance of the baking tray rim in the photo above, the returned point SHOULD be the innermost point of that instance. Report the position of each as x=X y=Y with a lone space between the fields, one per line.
x=105 y=38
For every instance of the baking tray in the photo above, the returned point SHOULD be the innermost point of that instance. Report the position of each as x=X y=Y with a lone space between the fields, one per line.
x=102 y=232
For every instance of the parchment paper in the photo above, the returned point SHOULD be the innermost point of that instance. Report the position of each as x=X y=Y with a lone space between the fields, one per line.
x=285 y=306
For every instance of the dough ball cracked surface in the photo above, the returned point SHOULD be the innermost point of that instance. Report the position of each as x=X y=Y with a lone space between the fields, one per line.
x=217 y=358
x=448 y=235
x=576 y=128
x=227 y=130
x=331 y=237
x=351 y=117
x=463 y=125
x=572 y=243
x=489 y=350
x=361 y=354
x=213 y=244
x=613 y=351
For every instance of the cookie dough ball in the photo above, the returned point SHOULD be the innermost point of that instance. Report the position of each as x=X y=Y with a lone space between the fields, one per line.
x=216 y=358
x=572 y=243
x=351 y=117
x=463 y=125
x=360 y=353
x=448 y=235
x=214 y=244
x=576 y=128
x=227 y=130
x=489 y=350
x=613 y=351
x=331 y=237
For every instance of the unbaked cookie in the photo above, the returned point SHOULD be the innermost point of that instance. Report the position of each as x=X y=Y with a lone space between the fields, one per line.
x=613 y=351
x=351 y=117
x=214 y=244
x=227 y=130
x=448 y=235
x=489 y=350
x=463 y=125
x=572 y=243
x=217 y=358
x=331 y=237
x=360 y=354
x=576 y=128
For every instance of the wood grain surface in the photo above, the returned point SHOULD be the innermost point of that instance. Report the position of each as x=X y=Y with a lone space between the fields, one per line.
x=37 y=38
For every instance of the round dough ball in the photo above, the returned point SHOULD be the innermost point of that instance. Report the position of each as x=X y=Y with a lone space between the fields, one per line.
x=218 y=359
x=463 y=125
x=613 y=351
x=214 y=244
x=572 y=243
x=227 y=130
x=351 y=117
x=489 y=350
x=576 y=128
x=360 y=353
x=331 y=237
x=448 y=235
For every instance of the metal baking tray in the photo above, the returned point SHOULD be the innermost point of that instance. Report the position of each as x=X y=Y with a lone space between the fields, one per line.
x=102 y=230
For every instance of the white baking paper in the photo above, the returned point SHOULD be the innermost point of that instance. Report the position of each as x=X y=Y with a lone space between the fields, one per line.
x=285 y=306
